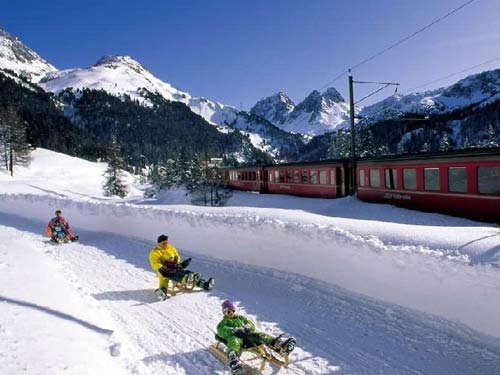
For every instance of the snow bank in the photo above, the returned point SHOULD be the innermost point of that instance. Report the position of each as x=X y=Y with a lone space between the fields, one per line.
x=408 y=275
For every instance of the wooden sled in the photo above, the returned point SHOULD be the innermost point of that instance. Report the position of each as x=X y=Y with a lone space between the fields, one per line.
x=254 y=357
x=184 y=286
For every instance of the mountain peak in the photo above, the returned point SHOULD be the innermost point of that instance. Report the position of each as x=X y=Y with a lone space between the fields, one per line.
x=274 y=108
x=333 y=95
x=16 y=56
x=113 y=61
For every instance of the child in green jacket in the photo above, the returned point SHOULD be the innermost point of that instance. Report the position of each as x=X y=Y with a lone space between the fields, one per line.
x=236 y=329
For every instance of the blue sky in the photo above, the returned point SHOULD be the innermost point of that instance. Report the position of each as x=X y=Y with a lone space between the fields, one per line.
x=239 y=51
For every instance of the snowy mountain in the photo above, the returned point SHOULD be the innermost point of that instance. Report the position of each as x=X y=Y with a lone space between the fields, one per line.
x=16 y=56
x=117 y=75
x=315 y=115
x=94 y=310
x=482 y=88
x=122 y=75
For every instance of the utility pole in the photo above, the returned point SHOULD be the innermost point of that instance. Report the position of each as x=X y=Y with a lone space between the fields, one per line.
x=354 y=187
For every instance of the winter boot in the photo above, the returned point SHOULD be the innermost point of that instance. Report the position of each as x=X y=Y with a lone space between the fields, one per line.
x=75 y=238
x=285 y=345
x=235 y=364
x=161 y=293
x=206 y=284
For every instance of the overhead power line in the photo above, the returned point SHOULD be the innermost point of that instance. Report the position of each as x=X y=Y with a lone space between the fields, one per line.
x=451 y=75
x=399 y=42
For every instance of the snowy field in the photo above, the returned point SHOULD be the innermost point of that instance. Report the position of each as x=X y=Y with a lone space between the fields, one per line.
x=365 y=289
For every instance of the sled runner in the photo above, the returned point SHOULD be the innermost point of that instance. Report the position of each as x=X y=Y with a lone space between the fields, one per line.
x=184 y=281
x=255 y=356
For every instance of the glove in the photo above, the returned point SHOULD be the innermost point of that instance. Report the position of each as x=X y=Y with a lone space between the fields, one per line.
x=185 y=263
x=169 y=268
x=241 y=331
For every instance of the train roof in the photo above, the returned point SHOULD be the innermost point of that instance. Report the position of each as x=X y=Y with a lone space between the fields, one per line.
x=485 y=153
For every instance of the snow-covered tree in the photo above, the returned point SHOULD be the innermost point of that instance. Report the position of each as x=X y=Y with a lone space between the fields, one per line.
x=445 y=142
x=425 y=147
x=466 y=143
x=491 y=137
x=113 y=176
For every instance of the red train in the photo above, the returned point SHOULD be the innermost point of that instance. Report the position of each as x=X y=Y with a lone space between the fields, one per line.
x=461 y=183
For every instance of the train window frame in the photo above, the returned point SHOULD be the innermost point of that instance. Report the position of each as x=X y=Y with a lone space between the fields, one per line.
x=304 y=179
x=313 y=177
x=295 y=176
x=392 y=175
x=373 y=172
x=322 y=177
x=332 y=176
x=281 y=176
x=276 y=176
x=428 y=182
x=361 y=178
x=452 y=180
x=410 y=179
x=496 y=189
x=271 y=175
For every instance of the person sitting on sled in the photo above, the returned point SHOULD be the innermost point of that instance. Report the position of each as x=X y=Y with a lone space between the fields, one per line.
x=166 y=262
x=58 y=227
x=235 y=329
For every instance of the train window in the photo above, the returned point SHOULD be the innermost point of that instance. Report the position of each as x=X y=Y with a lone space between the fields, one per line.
x=488 y=180
x=314 y=177
x=431 y=179
x=457 y=179
x=288 y=176
x=410 y=179
x=374 y=178
x=281 y=176
x=305 y=177
x=239 y=176
x=362 y=177
x=258 y=175
x=296 y=177
x=276 y=176
x=391 y=178
x=254 y=176
x=271 y=175
x=322 y=177
x=332 y=176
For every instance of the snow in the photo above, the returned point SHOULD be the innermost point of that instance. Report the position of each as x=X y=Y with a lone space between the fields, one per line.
x=118 y=75
x=15 y=56
x=365 y=288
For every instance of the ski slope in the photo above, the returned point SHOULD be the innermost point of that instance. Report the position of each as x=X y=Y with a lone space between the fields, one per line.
x=366 y=289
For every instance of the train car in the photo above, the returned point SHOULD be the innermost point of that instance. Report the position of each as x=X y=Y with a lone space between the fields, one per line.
x=460 y=183
x=325 y=179
x=245 y=178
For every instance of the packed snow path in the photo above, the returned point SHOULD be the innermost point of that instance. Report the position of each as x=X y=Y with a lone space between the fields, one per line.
x=338 y=332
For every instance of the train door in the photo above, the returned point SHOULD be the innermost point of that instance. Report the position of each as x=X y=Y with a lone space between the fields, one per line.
x=264 y=178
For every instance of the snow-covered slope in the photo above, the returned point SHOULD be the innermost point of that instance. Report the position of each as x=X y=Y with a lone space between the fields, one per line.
x=16 y=56
x=475 y=89
x=315 y=115
x=118 y=75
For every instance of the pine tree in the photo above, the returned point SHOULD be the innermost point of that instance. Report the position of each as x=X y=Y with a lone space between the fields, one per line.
x=113 y=184
x=14 y=147
x=491 y=137
x=466 y=143
x=445 y=143
x=425 y=147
